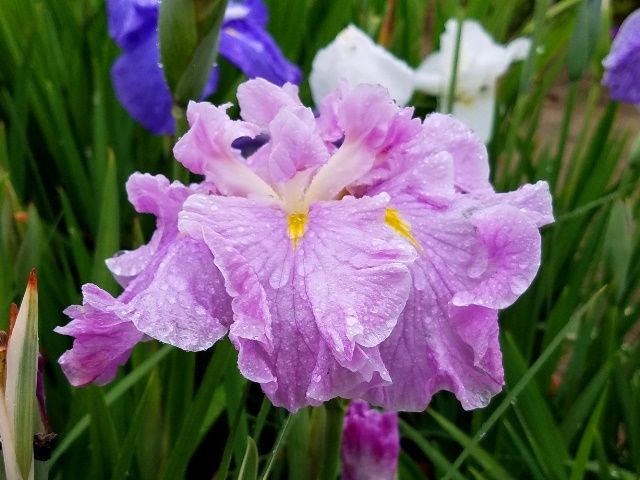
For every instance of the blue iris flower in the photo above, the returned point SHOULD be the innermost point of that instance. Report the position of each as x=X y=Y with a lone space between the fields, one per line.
x=137 y=74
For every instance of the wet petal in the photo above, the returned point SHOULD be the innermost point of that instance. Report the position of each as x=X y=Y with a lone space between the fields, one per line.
x=443 y=133
x=478 y=255
x=367 y=116
x=150 y=194
x=207 y=149
x=512 y=242
x=295 y=143
x=182 y=300
x=441 y=347
x=260 y=101
x=336 y=291
x=103 y=338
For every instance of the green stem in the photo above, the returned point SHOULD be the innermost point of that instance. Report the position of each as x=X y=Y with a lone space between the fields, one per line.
x=451 y=94
x=276 y=448
x=332 y=440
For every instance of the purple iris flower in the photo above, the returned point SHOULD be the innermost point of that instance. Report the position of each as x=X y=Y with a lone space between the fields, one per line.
x=622 y=65
x=137 y=75
x=361 y=253
x=370 y=443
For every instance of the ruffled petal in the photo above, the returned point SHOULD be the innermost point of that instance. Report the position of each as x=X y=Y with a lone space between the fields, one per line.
x=260 y=101
x=293 y=131
x=336 y=291
x=512 y=242
x=183 y=301
x=478 y=254
x=103 y=338
x=141 y=88
x=441 y=347
x=207 y=149
x=443 y=133
x=150 y=194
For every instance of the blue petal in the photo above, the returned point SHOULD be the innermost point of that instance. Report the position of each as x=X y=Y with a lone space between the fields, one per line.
x=622 y=65
x=245 y=43
x=141 y=88
x=131 y=22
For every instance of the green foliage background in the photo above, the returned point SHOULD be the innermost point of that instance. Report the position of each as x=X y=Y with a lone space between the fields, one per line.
x=571 y=405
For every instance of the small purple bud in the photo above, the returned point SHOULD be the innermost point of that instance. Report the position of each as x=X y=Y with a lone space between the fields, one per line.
x=370 y=443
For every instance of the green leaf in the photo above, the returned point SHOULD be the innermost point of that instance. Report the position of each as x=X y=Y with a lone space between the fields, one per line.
x=114 y=394
x=108 y=237
x=584 y=38
x=489 y=464
x=21 y=371
x=123 y=465
x=580 y=464
x=188 y=32
x=249 y=466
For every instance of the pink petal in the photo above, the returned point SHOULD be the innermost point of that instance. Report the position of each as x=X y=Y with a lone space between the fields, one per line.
x=182 y=301
x=104 y=338
x=149 y=194
x=260 y=101
x=445 y=133
x=307 y=320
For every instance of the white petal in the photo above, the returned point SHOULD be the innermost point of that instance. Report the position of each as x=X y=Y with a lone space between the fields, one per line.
x=478 y=113
x=519 y=48
x=429 y=77
x=353 y=57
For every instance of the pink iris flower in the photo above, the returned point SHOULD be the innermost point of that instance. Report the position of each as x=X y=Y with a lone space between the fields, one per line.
x=360 y=254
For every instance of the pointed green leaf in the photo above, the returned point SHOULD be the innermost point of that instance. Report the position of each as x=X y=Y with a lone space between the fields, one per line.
x=189 y=31
x=21 y=371
x=249 y=466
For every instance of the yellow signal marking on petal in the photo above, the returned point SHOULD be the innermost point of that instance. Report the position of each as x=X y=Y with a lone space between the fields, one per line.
x=394 y=220
x=296 y=226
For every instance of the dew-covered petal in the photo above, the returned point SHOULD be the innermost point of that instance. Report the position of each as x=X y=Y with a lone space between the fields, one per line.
x=141 y=88
x=103 y=338
x=182 y=300
x=429 y=178
x=260 y=101
x=534 y=200
x=512 y=242
x=367 y=116
x=311 y=311
x=370 y=443
x=150 y=194
x=437 y=346
x=207 y=149
x=622 y=64
x=295 y=144
x=443 y=133
x=354 y=58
